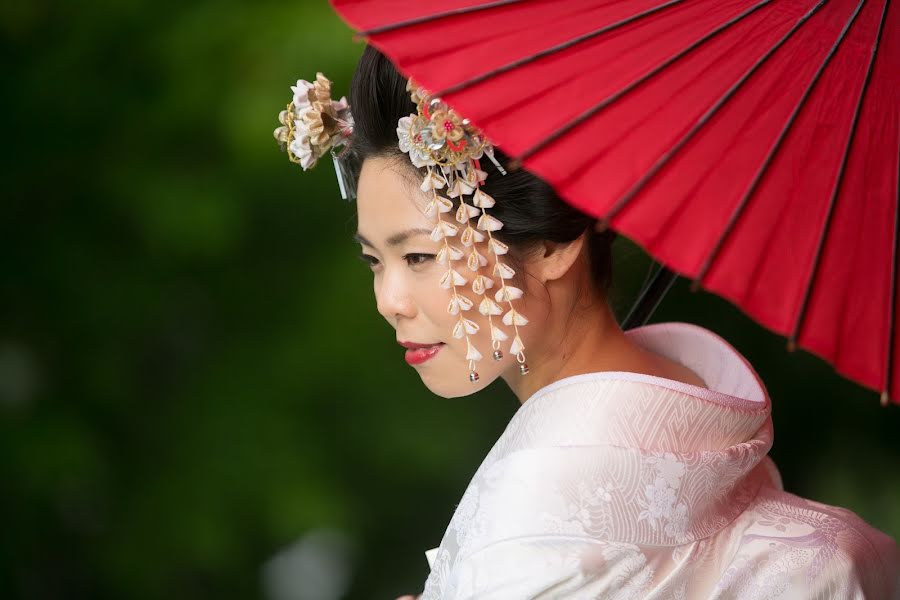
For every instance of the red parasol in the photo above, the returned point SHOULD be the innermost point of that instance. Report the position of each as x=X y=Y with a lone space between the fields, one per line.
x=752 y=146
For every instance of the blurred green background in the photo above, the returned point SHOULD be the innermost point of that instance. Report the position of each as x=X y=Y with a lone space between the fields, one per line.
x=197 y=396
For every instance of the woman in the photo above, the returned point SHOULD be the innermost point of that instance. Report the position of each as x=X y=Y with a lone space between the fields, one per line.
x=636 y=466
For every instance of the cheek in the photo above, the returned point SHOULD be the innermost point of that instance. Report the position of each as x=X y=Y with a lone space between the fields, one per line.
x=434 y=300
x=482 y=339
x=451 y=379
x=376 y=289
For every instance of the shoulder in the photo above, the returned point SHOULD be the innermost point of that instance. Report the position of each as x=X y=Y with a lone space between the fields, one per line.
x=818 y=545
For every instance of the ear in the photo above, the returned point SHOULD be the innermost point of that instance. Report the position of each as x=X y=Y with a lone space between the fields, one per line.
x=553 y=260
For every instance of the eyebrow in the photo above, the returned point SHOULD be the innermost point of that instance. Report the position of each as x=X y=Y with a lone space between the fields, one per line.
x=396 y=239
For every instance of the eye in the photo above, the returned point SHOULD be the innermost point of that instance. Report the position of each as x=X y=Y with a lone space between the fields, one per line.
x=369 y=260
x=417 y=258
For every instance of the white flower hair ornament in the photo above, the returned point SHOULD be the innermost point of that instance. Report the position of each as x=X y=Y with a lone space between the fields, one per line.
x=448 y=147
x=313 y=124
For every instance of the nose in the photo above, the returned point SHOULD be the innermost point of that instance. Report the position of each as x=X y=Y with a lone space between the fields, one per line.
x=392 y=295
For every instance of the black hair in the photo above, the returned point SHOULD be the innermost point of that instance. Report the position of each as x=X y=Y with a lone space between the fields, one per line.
x=528 y=207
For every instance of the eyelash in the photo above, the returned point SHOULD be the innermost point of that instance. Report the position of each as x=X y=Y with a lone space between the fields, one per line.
x=425 y=258
x=372 y=261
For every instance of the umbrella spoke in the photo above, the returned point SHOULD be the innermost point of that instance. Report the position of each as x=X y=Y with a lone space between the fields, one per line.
x=892 y=308
x=435 y=17
x=649 y=298
x=610 y=99
x=795 y=333
x=892 y=299
x=554 y=49
x=739 y=209
x=665 y=158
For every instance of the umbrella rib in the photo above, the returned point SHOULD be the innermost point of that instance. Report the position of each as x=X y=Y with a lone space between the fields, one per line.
x=650 y=297
x=835 y=192
x=553 y=49
x=892 y=301
x=892 y=309
x=441 y=15
x=703 y=120
x=745 y=200
x=631 y=86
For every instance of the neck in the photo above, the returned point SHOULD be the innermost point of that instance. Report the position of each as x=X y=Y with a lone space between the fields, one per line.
x=583 y=340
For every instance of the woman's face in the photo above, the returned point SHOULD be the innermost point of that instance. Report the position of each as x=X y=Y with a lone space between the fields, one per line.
x=393 y=231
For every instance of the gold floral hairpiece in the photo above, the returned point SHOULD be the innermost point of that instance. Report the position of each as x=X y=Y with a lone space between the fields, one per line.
x=449 y=147
x=313 y=124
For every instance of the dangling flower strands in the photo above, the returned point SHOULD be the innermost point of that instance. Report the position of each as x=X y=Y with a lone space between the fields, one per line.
x=447 y=255
x=503 y=271
x=451 y=147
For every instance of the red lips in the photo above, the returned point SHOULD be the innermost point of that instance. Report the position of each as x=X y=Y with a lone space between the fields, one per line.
x=417 y=354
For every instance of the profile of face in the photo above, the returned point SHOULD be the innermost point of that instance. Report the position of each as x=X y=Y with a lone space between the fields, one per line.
x=393 y=232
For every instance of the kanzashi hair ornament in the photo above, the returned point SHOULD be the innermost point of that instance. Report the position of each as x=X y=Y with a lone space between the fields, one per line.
x=449 y=147
x=313 y=124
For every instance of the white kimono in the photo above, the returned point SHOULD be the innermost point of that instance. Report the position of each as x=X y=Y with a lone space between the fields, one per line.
x=623 y=485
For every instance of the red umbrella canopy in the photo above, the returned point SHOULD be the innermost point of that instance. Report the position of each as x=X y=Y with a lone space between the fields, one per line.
x=752 y=146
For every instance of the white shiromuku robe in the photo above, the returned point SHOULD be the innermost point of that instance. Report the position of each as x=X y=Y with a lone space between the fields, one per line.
x=625 y=485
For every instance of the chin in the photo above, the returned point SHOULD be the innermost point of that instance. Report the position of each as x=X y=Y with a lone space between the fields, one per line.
x=453 y=386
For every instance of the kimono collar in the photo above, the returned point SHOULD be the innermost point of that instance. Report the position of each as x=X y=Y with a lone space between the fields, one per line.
x=655 y=413
x=649 y=460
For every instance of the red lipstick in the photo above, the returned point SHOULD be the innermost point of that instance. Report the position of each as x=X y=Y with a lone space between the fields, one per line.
x=416 y=354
